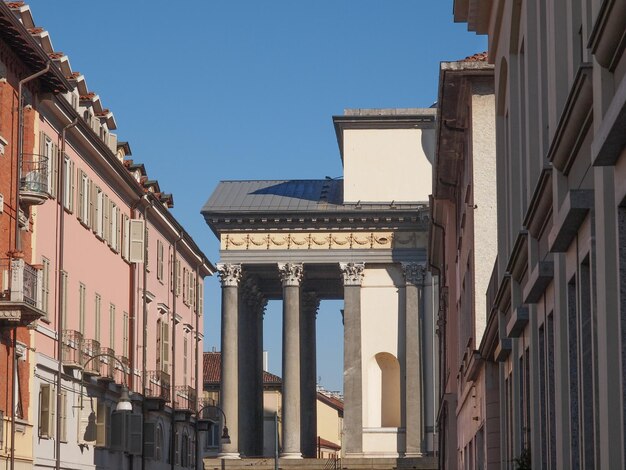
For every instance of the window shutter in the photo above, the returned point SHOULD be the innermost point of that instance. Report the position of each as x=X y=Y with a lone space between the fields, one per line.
x=134 y=445
x=147 y=251
x=178 y=280
x=165 y=338
x=160 y=260
x=56 y=152
x=125 y=237
x=63 y=417
x=102 y=418
x=118 y=430
x=87 y=421
x=136 y=249
x=149 y=440
x=46 y=411
x=106 y=210
x=118 y=235
x=80 y=207
x=200 y=297
x=159 y=345
x=73 y=185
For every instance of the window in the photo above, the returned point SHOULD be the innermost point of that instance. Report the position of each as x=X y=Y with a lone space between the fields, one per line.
x=68 y=184
x=185 y=288
x=49 y=150
x=158 y=455
x=177 y=275
x=82 y=292
x=64 y=280
x=185 y=451
x=147 y=248
x=46 y=411
x=97 y=319
x=160 y=260
x=115 y=228
x=106 y=217
x=112 y=326
x=124 y=237
x=163 y=345
x=45 y=288
x=103 y=416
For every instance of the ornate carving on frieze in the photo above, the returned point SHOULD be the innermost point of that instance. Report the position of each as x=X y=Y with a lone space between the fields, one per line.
x=384 y=240
x=414 y=273
x=352 y=273
x=230 y=274
x=291 y=273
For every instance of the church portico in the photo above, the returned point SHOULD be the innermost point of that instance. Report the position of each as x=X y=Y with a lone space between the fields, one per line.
x=298 y=242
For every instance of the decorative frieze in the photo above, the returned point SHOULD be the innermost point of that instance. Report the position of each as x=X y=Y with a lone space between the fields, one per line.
x=230 y=274
x=352 y=273
x=321 y=240
x=414 y=273
x=290 y=273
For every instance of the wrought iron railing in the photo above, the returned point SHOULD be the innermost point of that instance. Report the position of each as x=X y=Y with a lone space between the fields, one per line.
x=158 y=385
x=185 y=398
x=91 y=351
x=19 y=282
x=107 y=364
x=72 y=348
x=34 y=174
x=122 y=372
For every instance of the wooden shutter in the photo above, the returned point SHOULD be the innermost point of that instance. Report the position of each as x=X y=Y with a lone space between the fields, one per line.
x=149 y=440
x=165 y=339
x=159 y=344
x=134 y=444
x=200 y=297
x=63 y=417
x=178 y=280
x=87 y=420
x=106 y=210
x=72 y=185
x=118 y=430
x=136 y=241
x=160 y=260
x=118 y=235
x=80 y=206
x=46 y=411
x=102 y=420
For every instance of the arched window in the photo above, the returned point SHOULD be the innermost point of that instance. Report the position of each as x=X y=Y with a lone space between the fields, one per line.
x=184 y=451
x=390 y=390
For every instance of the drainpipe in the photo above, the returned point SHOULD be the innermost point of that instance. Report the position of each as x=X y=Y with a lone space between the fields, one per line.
x=13 y=401
x=20 y=149
x=198 y=389
x=60 y=305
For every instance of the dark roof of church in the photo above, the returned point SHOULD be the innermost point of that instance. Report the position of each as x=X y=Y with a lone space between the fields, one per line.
x=258 y=196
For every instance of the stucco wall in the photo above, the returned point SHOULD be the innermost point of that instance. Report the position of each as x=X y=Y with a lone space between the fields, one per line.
x=376 y=162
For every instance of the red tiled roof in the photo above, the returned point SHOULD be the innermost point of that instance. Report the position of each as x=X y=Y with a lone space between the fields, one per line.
x=212 y=366
x=15 y=4
x=330 y=401
x=35 y=30
x=89 y=96
x=327 y=444
x=479 y=57
x=74 y=75
x=56 y=55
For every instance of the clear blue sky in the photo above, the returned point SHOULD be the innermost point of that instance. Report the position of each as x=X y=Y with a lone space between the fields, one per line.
x=212 y=90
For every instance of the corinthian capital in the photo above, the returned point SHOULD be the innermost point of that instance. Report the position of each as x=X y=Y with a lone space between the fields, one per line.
x=352 y=273
x=230 y=274
x=310 y=302
x=290 y=273
x=414 y=273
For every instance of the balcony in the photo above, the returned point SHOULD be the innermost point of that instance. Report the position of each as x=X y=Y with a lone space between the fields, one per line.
x=72 y=349
x=185 y=398
x=91 y=349
x=122 y=372
x=34 y=180
x=20 y=292
x=107 y=365
x=158 y=385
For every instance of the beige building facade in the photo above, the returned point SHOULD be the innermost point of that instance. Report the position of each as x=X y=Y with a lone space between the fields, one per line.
x=558 y=289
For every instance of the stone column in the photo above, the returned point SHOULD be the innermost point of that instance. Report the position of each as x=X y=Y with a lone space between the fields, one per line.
x=352 y=373
x=250 y=374
x=261 y=303
x=291 y=277
x=308 y=374
x=230 y=275
x=414 y=275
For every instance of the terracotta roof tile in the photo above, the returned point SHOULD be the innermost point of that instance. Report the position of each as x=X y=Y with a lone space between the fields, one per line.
x=330 y=401
x=56 y=55
x=36 y=30
x=88 y=97
x=212 y=366
x=478 y=57
x=15 y=4
x=328 y=444
x=74 y=75
x=103 y=113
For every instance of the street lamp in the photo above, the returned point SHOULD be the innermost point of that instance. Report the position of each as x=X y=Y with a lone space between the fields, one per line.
x=203 y=425
x=124 y=403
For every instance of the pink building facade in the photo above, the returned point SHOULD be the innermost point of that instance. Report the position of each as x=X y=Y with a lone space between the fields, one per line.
x=121 y=291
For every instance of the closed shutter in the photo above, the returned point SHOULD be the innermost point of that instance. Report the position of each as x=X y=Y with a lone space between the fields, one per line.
x=149 y=440
x=87 y=420
x=46 y=411
x=160 y=260
x=80 y=207
x=106 y=208
x=135 y=434
x=102 y=418
x=118 y=431
x=159 y=344
x=178 y=276
x=200 y=297
x=63 y=417
x=136 y=249
x=73 y=185
x=56 y=154
x=118 y=235
x=165 y=339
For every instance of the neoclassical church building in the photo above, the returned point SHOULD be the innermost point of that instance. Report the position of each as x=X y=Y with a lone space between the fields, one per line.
x=362 y=239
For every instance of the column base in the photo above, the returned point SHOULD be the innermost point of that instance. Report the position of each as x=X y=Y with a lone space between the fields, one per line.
x=229 y=455
x=409 y=455
x=291 y=455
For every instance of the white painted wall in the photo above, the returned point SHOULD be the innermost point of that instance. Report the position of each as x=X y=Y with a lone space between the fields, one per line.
x=377 y=162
